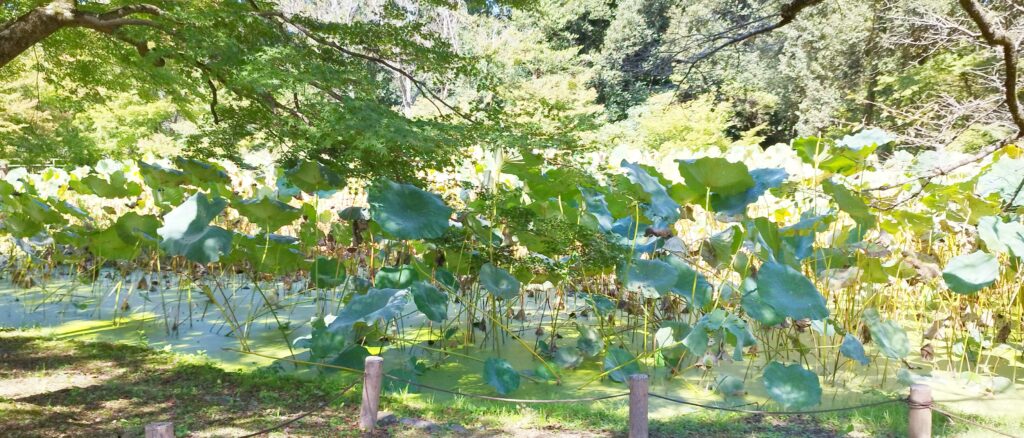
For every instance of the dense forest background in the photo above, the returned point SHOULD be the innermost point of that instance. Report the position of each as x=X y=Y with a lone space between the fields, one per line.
x=407 y=85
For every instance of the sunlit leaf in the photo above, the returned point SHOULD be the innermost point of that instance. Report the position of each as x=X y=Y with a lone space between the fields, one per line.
x=499 y=282
x=432 y=302
x=621 y=364
x=500 y=375
x=790 y=292
x=970 y=273
x=792 y=386
x=406 y=212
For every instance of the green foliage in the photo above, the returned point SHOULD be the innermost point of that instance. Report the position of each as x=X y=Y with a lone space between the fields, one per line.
x=792 y=386
x=970 y=273
x=890 y=337
x=407 y=212
x=500 y=375
x=186 y=230
x=620 y=364
x=432 y=302
x=790 y=292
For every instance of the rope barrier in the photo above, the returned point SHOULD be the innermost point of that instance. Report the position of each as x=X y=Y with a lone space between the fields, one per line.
x=972 y=423
x=303 y=415
x=775 y=413
x=910 y=404
x=508 y=400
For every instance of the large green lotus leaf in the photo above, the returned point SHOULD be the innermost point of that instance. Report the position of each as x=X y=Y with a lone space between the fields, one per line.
x=851 y=152
x=270 y=214
x=567 y=357
x=202 y=174
x=432 y=302
x=65 y=207
x=406 y=212
x=1002 y=237
x=117 y=187
x=446 y=279
x=764 y=179
x=395 y=277
x=621 y=364
x=375 y=305
x=21 y=226
x=589 y=342
x=273 y=254
x=499 y=282
x=761 y=311
x=6 y=189
x=1003 y=178
x=353 y=213
x=849 y=202
x=108 y=244
x=27 y=215
x=353 y=357
x=889 y=336
x=790 y=292
x=38 y=210
x=811 y=150
x=327 y=272
x=157 y=176
x=669 y=341
x=650 y=277
x=729 y=386
x=598 y=207
x=792 y=386
x=186 y=231
x=918 y=223
x=500 y=375
x=133 y=227
x=697 y=339
x=321 y=343
x=661 y=206
x=716 y=175
x=853 y=349
x=690 y=284
x=970 y=273
x=723 y=245
x=738 y=334
x=312 y=177
x=866 y=138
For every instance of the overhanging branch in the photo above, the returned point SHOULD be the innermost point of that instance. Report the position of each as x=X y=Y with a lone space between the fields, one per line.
x=997 y=37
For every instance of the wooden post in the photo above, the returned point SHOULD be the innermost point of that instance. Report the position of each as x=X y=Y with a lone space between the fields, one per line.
x=163 y=429
x=638 y=386
x=920 y=402
x=374 y=372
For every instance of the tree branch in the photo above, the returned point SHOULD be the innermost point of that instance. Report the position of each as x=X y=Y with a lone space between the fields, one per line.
x=36 y=25
x=786 y=15
x=433 y=97
x=997 y=37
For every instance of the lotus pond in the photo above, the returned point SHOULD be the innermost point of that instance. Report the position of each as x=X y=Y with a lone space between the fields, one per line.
x=803 y=283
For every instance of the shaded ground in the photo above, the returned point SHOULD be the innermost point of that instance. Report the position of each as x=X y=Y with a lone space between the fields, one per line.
x=57 y=388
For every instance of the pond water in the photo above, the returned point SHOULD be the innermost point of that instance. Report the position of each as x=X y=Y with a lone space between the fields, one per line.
x=185 y=320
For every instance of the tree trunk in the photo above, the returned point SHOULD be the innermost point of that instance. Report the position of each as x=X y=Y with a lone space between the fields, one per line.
x=33 y=27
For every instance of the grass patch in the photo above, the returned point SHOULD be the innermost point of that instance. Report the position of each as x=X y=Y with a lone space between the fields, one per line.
x=51 y=387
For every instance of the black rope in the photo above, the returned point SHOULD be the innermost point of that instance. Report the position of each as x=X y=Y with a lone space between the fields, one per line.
x=303 y=415
x=507 y=400
x=774 y=413
x=972 y=423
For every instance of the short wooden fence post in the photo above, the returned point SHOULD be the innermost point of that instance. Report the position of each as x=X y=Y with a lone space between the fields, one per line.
x=638 y=386
x=920 y=401
x=373 y=373
x=163 y=429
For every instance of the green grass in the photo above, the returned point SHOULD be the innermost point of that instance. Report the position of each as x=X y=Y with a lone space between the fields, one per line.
x=124 y=387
